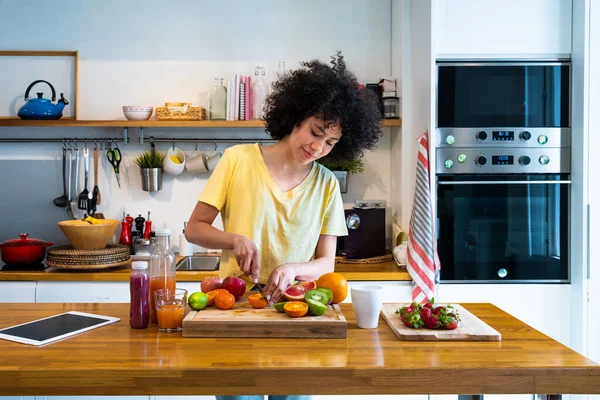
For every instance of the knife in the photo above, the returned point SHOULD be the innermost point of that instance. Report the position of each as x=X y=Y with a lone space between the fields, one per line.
x=259 y=287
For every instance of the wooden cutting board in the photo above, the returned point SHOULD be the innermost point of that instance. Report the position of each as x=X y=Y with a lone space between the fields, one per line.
x=244 y=321
x=469 y=328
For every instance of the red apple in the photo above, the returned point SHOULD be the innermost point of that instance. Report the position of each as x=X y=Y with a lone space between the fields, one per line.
x=211 y=283
x=235 y=286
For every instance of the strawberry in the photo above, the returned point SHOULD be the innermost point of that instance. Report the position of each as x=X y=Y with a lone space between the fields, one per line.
x=431 y=322
x=425 y=313
x=451 y=324
x=437 y=310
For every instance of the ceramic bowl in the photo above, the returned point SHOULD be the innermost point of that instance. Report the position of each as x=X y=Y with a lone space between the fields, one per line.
x=85 y=236
x=137 y=113
x=171 y=167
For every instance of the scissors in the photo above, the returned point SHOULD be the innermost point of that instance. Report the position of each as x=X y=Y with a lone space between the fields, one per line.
x=114 y=158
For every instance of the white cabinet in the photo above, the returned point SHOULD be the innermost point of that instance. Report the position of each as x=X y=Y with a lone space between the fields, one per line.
x=82 y=292
x=508 y=28
x=17 y=292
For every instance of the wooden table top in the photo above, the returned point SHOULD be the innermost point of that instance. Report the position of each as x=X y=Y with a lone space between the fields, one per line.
x=386 y=271
x=117 y=360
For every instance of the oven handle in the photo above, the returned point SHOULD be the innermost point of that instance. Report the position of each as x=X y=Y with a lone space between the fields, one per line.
x=502 y=182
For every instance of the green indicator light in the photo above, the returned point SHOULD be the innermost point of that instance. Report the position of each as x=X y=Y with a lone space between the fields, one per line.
x=542 y=139
x=450 y=140
x=462 y=158
x=448 y=164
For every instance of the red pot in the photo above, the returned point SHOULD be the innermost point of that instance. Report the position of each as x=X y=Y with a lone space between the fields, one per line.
x=24 y=251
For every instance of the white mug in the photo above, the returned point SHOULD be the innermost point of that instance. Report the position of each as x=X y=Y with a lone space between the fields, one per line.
x=196 y=164
x=367 y=301
x=212 y=159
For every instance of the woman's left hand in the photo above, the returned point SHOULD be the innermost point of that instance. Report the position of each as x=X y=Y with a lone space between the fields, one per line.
x=280 y=280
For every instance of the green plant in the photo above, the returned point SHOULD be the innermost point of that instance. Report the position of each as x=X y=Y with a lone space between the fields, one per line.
x=149 y=159
x=352 y=166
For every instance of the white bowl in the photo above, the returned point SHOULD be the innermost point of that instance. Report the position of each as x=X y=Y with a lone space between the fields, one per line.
x=137 y=113
x=169 y=166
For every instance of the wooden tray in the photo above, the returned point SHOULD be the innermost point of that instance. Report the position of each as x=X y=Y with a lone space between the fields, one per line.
x=470 y=327
x=244 y=321
x=88 y=266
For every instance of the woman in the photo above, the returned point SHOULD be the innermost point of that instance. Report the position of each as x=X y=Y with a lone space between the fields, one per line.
x=282 y=211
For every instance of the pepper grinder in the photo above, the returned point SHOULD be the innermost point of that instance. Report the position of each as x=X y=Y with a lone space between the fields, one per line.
x=139 y=224
x=125 y=238
x=148 y=227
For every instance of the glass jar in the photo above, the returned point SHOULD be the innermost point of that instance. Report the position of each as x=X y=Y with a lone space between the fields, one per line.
x=139 y=295
x=260 y=91
x=218 y=101
x=162 y=267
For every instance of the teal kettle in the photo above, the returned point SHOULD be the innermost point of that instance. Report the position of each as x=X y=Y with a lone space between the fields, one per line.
x=41 y=108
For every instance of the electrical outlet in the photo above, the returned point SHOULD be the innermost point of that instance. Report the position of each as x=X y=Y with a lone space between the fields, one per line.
x=369 y=203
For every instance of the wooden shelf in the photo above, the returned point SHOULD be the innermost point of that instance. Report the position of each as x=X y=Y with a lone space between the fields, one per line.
x=70 y=122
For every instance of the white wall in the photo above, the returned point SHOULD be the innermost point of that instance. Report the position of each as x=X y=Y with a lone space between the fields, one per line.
x=149 y=52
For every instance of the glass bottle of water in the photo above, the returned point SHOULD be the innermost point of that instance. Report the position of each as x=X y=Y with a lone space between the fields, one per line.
x=260 y=91
x=218 y=101
x=162 y=267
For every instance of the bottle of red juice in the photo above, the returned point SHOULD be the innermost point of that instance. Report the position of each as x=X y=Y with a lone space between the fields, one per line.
x=139 y=289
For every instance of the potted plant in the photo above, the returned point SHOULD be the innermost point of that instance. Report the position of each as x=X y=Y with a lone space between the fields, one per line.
x=341 y=169
x=150 y=163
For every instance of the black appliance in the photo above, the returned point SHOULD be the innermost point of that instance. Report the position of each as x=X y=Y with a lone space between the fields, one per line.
x=502 y=164
x=366 y=233
x=517 y=94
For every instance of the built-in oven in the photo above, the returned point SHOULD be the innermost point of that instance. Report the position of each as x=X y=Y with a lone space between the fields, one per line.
x=504 y=94
x=502 y=165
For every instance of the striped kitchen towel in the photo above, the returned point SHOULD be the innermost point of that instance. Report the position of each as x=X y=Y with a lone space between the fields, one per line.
x=422 y=261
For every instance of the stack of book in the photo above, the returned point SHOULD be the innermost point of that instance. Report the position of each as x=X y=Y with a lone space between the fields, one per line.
x=239 y=98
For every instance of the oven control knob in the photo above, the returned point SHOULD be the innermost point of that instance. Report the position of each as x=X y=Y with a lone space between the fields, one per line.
x=524 y=160
x=352 y=221
x=544 y=160
x=481 y=161
x=450 y=140
x=525 y=135
x=448 y=164
x=542 y=139
x=502 y=273
x=481 y=135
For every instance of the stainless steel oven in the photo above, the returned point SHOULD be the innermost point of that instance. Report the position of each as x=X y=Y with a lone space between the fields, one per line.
x=503 y=163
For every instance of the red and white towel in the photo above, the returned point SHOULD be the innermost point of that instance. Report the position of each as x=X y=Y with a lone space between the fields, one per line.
x=422 y=261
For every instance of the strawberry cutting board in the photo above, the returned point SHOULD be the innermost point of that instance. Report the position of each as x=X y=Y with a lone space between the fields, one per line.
x=244 y=321
x=470 y=328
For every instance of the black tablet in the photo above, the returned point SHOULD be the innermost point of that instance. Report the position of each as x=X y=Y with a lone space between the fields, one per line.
x=54 y=328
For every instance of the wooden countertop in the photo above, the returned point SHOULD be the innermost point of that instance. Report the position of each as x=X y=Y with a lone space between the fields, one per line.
x=117 y=360
x=386 y=271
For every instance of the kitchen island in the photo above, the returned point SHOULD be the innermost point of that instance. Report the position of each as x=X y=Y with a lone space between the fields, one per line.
x=117 y=360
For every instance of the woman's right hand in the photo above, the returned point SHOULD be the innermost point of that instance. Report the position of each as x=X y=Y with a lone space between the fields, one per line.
x=246 y=255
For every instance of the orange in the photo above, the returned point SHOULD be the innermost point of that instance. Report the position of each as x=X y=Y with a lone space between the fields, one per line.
x=336 y=283
x=213 y=294
x=224 y=300
x=295 y=309
x=257 y=300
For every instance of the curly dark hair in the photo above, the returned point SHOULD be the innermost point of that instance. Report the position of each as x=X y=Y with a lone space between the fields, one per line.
x=331 y=94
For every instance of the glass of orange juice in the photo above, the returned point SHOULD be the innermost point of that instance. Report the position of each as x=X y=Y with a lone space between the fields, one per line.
x=170 y=308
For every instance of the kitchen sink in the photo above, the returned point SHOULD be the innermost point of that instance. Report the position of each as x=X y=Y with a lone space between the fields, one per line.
x=198 y=263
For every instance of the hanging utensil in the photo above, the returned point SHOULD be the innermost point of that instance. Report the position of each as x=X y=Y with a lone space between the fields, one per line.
x=76 y=176
x=114 y=158
x=96 y=190
x=62 y=201
x=83 y=196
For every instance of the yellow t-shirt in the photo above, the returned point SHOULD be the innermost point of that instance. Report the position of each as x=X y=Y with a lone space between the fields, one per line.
x=285 y=226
